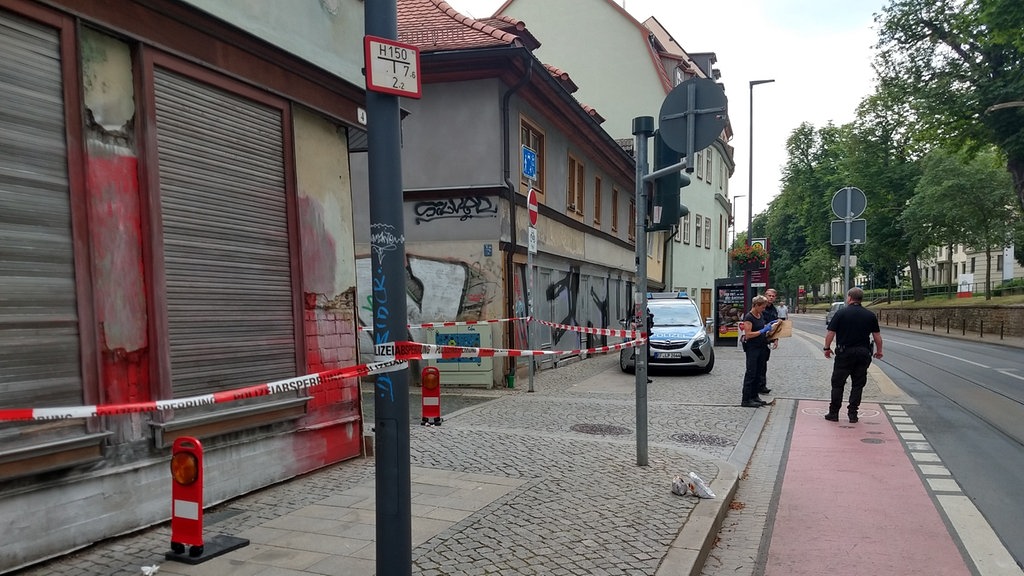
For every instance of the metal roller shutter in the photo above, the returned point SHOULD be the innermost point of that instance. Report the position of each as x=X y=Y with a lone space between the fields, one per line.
x=225 y=233
x=39 y=337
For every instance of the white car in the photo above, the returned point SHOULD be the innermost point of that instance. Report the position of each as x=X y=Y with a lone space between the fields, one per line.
x=678 y=339
x=836 y=307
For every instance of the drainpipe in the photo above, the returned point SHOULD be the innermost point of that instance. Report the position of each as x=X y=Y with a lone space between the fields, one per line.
x=510 y=187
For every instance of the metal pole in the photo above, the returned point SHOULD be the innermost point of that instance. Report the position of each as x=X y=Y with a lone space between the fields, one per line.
x=750 y=192
x=848 y=222
x=530 y=339
x=387 y=247
x=643 y=128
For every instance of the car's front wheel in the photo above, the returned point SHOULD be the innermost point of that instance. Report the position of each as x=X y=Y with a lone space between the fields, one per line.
x=625 y=363
x=711 y=363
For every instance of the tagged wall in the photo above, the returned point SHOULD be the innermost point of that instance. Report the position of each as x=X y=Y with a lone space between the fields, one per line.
x=466 y=285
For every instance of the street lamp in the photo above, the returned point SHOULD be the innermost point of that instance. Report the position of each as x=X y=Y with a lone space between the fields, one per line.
x=732 y=218
x=750 y=189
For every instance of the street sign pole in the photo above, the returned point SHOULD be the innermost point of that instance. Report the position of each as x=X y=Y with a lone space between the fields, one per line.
x=848 y=203
x=531 y=208
x=847 y=220
x=643 y=129
x=393 y=490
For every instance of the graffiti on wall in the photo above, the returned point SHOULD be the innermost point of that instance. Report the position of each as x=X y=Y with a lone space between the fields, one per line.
x=461 y=208
x=564 y=295
x=437 y=290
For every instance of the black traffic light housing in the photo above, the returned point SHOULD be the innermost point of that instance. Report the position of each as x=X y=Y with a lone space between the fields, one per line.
x=666 y=209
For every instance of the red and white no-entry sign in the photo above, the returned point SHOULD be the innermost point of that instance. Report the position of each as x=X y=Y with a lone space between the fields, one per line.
x=531 y=206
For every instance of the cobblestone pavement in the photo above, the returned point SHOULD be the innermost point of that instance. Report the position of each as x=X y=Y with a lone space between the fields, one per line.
x=580 y=504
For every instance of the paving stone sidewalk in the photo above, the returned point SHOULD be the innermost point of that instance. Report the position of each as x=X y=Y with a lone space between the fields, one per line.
x=554 y=473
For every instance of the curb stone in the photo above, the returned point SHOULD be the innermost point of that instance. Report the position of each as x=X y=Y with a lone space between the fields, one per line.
x=688 y=552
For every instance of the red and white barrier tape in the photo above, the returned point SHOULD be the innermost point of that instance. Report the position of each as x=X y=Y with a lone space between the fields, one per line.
x=447 y=324
x=297 y=383
x=420 y=351
x=634 y=334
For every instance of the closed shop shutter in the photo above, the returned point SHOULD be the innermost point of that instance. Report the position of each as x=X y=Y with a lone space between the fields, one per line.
x=225 y=234
x=39 y=336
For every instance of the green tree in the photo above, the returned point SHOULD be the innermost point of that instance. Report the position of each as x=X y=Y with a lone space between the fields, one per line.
x=952 y=61
x=967 y=201
x=882 y=157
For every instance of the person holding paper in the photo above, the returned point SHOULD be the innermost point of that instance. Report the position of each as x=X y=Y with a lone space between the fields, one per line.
x=755 y=348
x=770 y=314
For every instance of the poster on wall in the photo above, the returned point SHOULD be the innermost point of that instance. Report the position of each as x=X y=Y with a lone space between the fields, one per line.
x=728 y=309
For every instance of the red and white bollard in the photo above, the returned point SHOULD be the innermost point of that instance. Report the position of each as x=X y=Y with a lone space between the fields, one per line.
x=430 y=381
x=187 y=496
x=187 y=508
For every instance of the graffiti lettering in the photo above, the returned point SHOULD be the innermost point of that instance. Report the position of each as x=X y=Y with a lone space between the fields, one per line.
x=383 y=239
x=461 y=208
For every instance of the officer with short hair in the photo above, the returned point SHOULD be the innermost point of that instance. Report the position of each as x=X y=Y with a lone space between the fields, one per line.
x=853 y=328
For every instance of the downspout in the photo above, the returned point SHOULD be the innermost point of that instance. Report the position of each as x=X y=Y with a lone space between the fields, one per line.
x=510 y=187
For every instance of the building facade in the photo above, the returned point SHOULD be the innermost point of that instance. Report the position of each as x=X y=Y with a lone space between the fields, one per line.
x=485 y=97
x=175 y=222
x=625 y=69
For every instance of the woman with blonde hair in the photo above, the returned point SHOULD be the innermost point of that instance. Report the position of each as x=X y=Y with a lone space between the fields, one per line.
x=755 y=347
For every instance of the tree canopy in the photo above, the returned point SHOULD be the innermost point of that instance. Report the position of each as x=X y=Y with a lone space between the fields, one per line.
x=954 y=62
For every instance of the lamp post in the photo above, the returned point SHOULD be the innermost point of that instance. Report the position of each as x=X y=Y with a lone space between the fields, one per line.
x=750 y=189
x=733 y=218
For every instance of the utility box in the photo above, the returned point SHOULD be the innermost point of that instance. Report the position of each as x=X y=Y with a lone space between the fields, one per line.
x=463 y=371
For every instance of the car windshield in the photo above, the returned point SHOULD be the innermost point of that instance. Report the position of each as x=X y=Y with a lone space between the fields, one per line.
x=677 y=315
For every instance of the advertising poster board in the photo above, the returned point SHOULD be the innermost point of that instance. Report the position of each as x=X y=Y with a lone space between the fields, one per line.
x=728 y=310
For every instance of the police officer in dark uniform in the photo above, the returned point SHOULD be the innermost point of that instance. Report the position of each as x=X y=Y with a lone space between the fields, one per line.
x=853 y=329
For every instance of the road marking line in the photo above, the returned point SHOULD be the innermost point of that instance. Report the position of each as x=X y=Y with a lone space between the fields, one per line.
x=982 y=544
x=1005 y=372
x=934 y=470
x=941 y=354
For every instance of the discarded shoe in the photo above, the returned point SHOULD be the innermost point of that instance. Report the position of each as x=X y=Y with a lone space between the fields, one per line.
x=832 y=417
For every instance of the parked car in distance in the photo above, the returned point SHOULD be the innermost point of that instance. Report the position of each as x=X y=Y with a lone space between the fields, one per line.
x=678 y=338
x=836 y=307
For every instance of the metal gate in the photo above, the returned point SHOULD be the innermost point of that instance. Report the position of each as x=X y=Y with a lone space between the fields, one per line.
x=39 y=337
x=230 y=306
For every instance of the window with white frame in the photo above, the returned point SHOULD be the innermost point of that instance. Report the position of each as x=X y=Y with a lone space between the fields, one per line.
x=707 y=233
x=698 y=234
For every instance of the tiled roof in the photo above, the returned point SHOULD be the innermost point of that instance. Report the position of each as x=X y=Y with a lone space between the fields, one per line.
x=433 y=25
x=563 y=78
x=593 y=113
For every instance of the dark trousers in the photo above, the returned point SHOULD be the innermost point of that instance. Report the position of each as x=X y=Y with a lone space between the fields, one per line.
x=763 y=385
x=757 y=367
x=850 y=363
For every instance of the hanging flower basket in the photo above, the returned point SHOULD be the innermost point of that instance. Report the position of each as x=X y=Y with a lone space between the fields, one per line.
x=748 y=257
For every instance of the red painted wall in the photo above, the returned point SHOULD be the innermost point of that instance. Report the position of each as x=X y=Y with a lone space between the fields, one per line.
x=120 y=292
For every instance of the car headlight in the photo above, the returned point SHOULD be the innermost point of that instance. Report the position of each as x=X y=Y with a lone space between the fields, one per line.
x=700 y=340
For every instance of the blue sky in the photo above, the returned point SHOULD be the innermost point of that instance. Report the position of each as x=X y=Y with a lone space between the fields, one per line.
x=818 y=51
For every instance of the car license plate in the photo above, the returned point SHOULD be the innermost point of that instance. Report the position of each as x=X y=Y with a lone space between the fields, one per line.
x=667 y=355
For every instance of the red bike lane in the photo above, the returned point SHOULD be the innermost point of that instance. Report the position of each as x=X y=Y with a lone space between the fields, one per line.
x=852 y=502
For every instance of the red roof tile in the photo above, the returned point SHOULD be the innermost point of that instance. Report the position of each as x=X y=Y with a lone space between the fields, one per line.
x=563 y=78
x=433 y=25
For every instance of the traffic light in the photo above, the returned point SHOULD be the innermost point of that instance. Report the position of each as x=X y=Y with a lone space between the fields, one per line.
x=665 y=207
